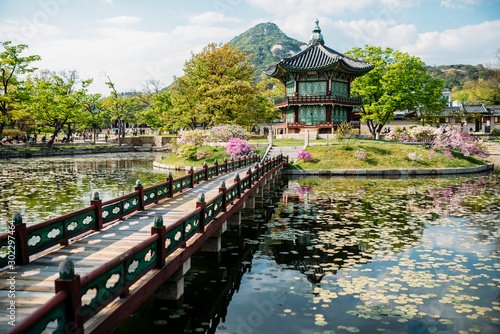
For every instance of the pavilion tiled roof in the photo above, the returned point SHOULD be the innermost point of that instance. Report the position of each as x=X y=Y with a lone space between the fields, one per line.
x=475 y=108
x=318 y=57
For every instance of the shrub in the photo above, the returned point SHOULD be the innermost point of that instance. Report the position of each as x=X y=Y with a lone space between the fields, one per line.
x=203 y=153
x=495 y=132
x=187 y=150
x=304 y=155
x=237 y=147
x=196 y=137
x=414 y=156
x=224 y=133
x=360 y=154
x=346 y=133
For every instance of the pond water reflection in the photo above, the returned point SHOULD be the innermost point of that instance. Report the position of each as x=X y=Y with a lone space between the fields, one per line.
x=347 y=256
x=44 y=188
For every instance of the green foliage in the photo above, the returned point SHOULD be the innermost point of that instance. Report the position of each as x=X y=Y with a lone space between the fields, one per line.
x=12 y=68
x=398 y=82
x=495 y=132
x=188 y=151
x=216 y=88
x=268 y=43
x=159 y=112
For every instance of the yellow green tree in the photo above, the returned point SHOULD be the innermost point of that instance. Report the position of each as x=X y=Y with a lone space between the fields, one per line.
x=217 y=87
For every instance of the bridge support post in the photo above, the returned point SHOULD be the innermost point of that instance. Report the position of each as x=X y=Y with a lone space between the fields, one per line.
x=235 y=219
x=214 y=243
x=173 y=287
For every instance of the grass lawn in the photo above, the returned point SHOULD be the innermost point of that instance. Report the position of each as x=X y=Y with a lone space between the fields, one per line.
x=218 y=153
x=300 y=142
x=387 y=156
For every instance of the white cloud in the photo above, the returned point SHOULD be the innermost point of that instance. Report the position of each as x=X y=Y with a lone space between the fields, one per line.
x=208 y=18
x=375 y=32
x=400 y=3
x=462 y=4
x=121 y=20
x=471 y=44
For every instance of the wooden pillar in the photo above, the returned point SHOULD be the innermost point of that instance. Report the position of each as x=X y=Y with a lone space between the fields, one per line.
x=216 y=164
x=203 y=205
x=98 y=210
x=170 y=181
x=21 y=235
x=191 y=173
x=140 y=188
x=223 y=189
x=70 y=283
x=159 y=229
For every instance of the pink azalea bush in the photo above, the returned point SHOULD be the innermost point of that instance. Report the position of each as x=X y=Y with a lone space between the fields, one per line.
x=201 y=154
x=304 y=155
x=441 y=140
x=237 y=147
x=360 y=154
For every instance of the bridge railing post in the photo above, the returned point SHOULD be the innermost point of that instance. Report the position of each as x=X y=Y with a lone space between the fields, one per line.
x=232 y=163
x=238 y=182
x=170 y=181
x=70 y=283
x=203 y=205
x=191 y=173
x=223 y=189
x=249 y=173
x=216 y=164
x=98 y=210
x=225 y=165
x=159 y=229
x=140 y=188
x=257 y=171
x=205 y=167
x=21 y=235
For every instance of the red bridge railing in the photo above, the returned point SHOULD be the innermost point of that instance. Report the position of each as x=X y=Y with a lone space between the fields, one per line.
x=78 y=300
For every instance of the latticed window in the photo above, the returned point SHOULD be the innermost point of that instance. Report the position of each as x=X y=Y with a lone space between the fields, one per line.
x=312 y=114
x=340 y=88
x=340 y=114
x=313 y=88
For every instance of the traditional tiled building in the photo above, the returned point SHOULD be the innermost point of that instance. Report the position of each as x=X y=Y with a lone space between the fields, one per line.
x=476 y=117
x=317 y=89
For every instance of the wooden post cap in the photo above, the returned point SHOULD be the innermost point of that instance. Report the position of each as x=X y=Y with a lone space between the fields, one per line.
x=169 y=175
x=204 y=164
x=201 y=198
x=66 y=269
x=237 y=176
x=17 y=219
x=138 y=183
x=222 y=184
x=158 y=222
x=95 y=196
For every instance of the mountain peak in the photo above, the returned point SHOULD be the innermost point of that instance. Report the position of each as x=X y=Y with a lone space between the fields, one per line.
x=268 y=43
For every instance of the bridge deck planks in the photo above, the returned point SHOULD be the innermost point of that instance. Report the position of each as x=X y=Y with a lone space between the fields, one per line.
x=35 y=281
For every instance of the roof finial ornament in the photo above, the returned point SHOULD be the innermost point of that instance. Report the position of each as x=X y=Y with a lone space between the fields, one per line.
x=316 y=37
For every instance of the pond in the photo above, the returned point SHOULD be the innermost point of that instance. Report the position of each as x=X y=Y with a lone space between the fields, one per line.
x=348 y=256
x=45 y=188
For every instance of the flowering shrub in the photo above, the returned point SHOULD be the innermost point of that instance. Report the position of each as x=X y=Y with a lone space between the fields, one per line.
x=205 y=153
x=302 y=190
x=188 y=151
x=441 y=140
x=224 y=132
x=196 y=137
x=237 y=147
x=414 y=156
x=360 y=154
x=304 y=155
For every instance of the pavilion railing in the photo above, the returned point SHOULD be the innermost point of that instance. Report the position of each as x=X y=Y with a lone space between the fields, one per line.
x=78 y=300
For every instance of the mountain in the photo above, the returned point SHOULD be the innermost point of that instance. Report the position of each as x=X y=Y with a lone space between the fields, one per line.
x=268 y=43
x=458 y=75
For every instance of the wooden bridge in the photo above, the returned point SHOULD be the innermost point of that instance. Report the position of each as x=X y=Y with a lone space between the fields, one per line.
x=122 y=250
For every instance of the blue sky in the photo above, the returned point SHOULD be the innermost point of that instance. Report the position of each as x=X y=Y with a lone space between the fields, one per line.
x=132 y=41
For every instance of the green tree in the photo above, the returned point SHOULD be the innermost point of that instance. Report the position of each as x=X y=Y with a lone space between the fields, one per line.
x=124 y=110
x=12 y=67
x=55 y=101
x=398 y=82
x=216 y=88
x=158 y=114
